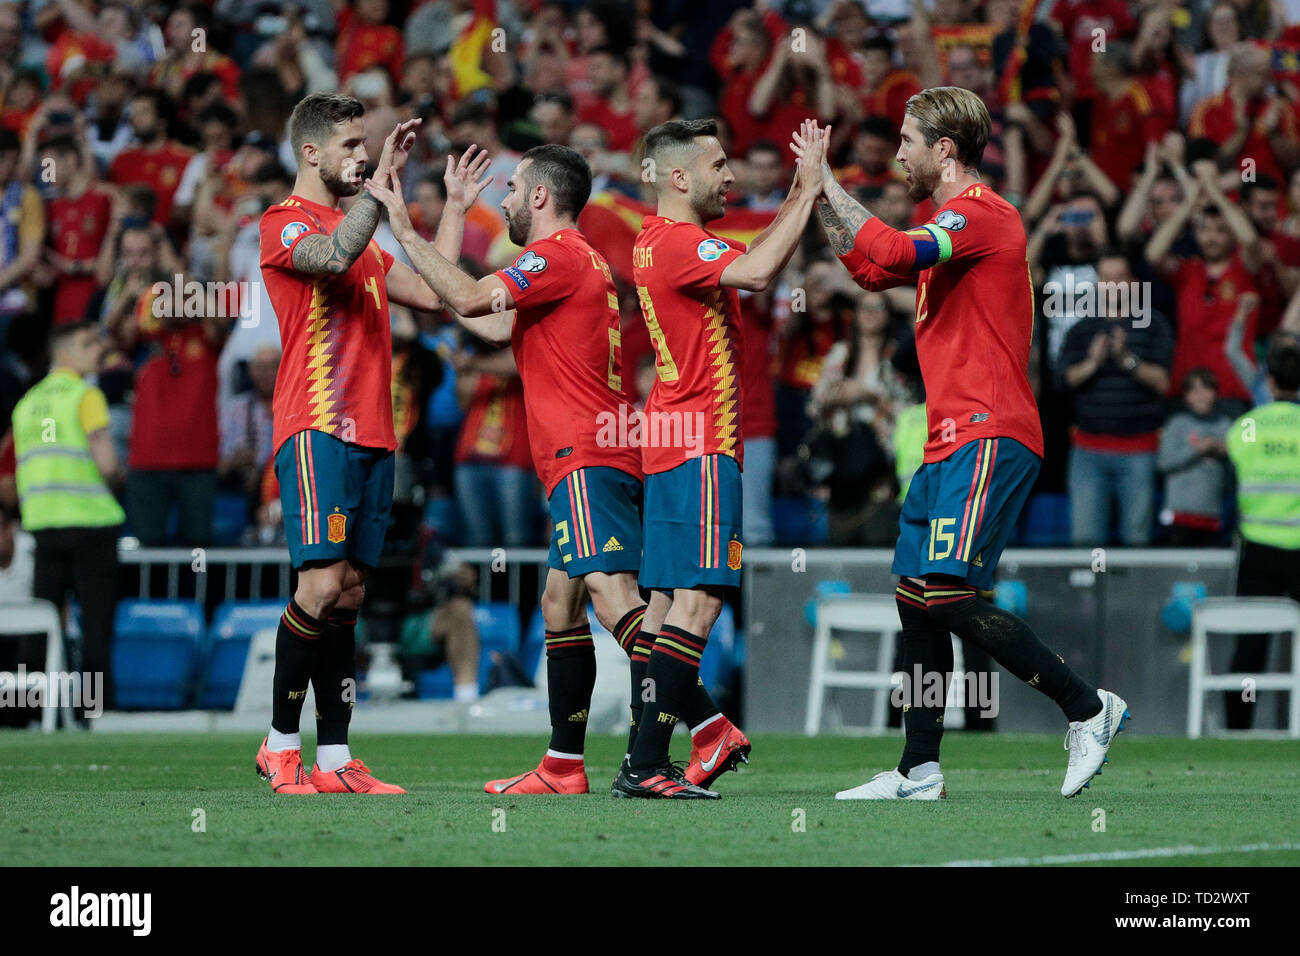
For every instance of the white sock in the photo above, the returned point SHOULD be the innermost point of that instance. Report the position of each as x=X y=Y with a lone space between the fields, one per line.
x=465 y=692
x=276 y=741
x=704 y=723
x=923 y=770
x=556 y=755
x=330 y=757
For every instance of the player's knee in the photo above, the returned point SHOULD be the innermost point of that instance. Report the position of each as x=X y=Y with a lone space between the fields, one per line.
x=559 y=610
x=948 y=600
x=351 y=599
x=319 y=595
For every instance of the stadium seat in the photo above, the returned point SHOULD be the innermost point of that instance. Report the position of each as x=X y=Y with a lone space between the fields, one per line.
x=229 y=519
x=1183 y=598
x=436 y=684
x=226 y=650
x=1233 y=616
x=1046 y=523
x=533 y=651
x=717 y=665
x=498 y=630
x=863 y=614
x=821 y=591
x=156 y=648
x=800 y=520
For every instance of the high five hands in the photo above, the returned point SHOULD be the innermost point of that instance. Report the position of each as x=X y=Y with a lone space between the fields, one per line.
x=809 y=143
x=465 y=180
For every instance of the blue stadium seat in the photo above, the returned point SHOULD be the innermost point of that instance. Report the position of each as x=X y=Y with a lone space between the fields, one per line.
x=821 y=591
x=498 y=630
x=233 y=627
x=436 y=684
x=534 y=646
x=155 y=652
x=800 y=521
x=719 y=663
x=1046 y=522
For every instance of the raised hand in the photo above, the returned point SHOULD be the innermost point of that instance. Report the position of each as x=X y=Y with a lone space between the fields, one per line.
x=467 y=178
x=397 y=149
x=391 y=199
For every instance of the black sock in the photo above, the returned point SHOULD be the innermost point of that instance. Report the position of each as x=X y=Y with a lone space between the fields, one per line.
x=1009 y=641
x=334 y=679
x=673 y=670
x=699 y=706
x=642 y=645
x=927 y=649
x=297 y=645
x=626 y=632
x=570 y=677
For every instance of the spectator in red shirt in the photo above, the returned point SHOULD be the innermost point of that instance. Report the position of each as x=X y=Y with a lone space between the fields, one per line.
x=1124 y=119
x=78 y=218
x=745 y=60
x=155 y=161
x=190 y=50
x=1247 y=121
x=366 y=40
x=1078 y=19
x=871 y=159
x=885 y=90
x=657 y=100
x=1209 y=285
x=796 y=84
x=1279 y=254
x=611 y=108
x=174 y=450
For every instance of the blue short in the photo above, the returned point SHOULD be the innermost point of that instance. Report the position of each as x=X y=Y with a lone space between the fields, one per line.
x=693 y=525
x=596 y=514
x=959 y=512
x=335 y=497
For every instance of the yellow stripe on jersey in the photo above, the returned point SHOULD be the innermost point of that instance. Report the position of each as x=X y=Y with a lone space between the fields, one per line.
x=320 y=374
x=724 y=373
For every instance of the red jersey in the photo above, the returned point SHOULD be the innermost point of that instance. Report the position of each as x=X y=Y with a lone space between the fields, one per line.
x=1121 y=129
x=974 y=316
x=77 y=229
x=336 y=373
x=695 y=406
x=495 y=430
x=1215 y=118
x=159 y=168
x=363 y=45
x=759 y=418
x=174 y=419
x=1205 y=309
x=568 y=346
x=1078 y=20
x=620 y=129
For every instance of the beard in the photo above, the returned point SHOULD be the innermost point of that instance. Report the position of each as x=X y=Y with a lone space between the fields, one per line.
x=519 y=225
x=337 y=185
x=921 y=187
x=708 y=204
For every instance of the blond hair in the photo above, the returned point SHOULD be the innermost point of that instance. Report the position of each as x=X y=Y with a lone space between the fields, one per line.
x=956 y=113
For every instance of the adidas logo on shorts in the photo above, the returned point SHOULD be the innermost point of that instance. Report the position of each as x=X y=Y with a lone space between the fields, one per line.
x=612 y=545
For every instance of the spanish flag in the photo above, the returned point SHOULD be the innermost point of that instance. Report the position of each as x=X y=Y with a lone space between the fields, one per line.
x=466 y=53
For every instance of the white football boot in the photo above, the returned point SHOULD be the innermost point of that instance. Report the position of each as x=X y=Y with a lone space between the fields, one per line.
x=1088 y=740
x=892 y=785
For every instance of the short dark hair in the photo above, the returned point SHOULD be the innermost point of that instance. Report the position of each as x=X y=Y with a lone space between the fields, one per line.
x=218 y=113
x=314 y=118
x=615 y=54
x=199 y=84
x=879 y=42
x=62 y=144
x=1203 y=375
x=668 y=91
x=564 y=172
x=1283 y=362
x=1262 y=181
x=880 y=126
x=271 y=171
x=765 y=146
x=61 y=332
x=676 y=133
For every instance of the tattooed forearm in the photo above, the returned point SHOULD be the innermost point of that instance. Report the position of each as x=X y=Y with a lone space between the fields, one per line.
x=841 y=218
x=335 y=253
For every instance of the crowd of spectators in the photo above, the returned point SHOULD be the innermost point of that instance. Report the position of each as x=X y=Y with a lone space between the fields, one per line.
x=1152 y=147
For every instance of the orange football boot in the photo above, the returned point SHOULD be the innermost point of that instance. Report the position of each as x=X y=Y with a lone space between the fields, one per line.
x=352 y=777
x=715 y=751
x=284 y=770
x=541 y=782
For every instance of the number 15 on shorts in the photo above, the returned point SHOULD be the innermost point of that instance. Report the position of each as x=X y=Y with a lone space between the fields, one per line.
x=941 y=538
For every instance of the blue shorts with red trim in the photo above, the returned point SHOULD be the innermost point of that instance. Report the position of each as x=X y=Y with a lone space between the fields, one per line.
x=692 y=525
x=959 y=512
x=335 y=497
x=596 y=518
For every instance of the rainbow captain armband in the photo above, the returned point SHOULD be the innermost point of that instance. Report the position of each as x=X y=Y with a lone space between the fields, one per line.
x=932 y=245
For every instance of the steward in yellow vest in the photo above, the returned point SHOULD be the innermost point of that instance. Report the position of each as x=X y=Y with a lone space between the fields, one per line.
x=66 y=459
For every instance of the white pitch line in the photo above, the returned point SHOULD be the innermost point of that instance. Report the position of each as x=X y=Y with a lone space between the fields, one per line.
x=1150 y=853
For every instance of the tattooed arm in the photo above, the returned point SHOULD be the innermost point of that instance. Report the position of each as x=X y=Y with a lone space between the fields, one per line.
x=333 y=254
x=840 y=215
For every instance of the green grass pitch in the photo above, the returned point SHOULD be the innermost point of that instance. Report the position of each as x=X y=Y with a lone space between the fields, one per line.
x=130 y=799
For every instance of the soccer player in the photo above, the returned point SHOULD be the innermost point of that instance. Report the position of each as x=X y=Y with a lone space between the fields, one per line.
x=692 y=451
x=558 y=307
x=330 y=285
x=974 y=321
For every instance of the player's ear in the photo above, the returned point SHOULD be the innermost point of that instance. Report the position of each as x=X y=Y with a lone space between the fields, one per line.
x=540 y=192
x=310 y=154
